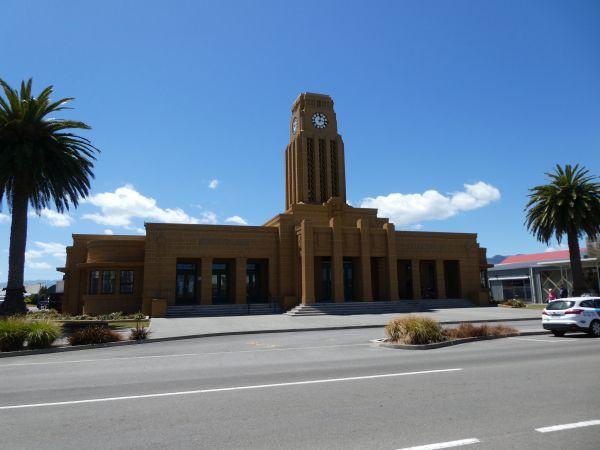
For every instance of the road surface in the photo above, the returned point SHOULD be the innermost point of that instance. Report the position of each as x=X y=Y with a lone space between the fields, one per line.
x=329 y=390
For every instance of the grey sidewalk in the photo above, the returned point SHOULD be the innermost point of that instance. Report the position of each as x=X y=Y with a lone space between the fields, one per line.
x=198 y=326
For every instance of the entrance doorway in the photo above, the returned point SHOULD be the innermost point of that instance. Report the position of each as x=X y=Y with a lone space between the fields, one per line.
x=256 y=281
x=428 y=279
x=324 y=278
x=405 y=284
x=349 y=283
x=221 y=283
x=185 y=289
x=452 y=278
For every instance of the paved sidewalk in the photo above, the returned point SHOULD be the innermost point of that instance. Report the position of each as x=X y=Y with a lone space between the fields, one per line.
x=198 y=326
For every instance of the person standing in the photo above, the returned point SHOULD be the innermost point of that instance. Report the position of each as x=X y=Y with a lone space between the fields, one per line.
x=564 y=293
x=551 y=295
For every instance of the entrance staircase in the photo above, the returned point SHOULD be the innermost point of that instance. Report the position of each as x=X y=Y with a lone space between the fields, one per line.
x=222 y=310
x=378 y=307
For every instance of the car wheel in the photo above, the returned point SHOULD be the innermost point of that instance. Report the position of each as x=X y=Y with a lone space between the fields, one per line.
x=595 y=328
x=558 y=333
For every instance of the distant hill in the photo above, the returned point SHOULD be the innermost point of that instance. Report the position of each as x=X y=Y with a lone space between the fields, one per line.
x=27 y=282
x=496 y=259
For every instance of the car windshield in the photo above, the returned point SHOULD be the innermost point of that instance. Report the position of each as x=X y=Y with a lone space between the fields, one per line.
x=560 y=304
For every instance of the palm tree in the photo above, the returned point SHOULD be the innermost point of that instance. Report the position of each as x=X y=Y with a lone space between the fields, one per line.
x=41 y=162
x=569 y=205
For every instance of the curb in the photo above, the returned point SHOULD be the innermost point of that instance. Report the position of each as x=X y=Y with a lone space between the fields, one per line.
x=453 y=342
x=236 y=333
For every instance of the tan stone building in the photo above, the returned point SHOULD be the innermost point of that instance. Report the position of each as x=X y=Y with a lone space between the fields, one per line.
x=319 y=250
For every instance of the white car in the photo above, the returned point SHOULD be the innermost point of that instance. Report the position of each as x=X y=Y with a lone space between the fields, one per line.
x=572 y=314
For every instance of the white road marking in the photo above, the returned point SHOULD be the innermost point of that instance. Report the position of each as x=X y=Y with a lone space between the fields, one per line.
x=538 y=340
x=568 y=426
x=444 y=444
x=236 y=388
x=177 y=355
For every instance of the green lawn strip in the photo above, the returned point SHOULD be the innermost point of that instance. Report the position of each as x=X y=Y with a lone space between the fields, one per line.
x=536 y=306
x=128 y=324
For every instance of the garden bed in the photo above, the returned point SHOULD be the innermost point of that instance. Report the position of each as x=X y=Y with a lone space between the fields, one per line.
x=422 y=333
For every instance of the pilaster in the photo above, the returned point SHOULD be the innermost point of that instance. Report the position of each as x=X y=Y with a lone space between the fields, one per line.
x=392 y=261
x=337 y=259
x=416 y=278
x=366 y=291
x=439 y=278
x=206 y=282
x=240 y=281
x=308 y=262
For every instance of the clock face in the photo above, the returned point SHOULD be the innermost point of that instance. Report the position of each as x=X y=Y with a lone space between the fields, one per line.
x=319 y=120
x=295 y=125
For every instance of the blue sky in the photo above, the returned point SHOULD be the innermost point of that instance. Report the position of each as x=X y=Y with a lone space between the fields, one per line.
x=429 y=95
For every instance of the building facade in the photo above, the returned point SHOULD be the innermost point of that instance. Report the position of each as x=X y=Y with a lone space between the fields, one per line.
x=530 y=277
x=319 y=250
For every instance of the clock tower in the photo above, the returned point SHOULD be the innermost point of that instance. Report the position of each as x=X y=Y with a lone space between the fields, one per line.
x=314 y=157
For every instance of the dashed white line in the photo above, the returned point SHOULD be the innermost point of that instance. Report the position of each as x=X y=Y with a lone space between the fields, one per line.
x=236 y=388
x=539 y=340
x=568 y=426
x=448 y=444
x=178 y=355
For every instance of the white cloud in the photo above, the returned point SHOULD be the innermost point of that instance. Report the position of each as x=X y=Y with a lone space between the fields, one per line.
x=43 y=250
x=39 y=265
x=213 y=183
x=208 y=218
x=408 y=209
x=109 y=231
x=53 y=218
x=119 y=208
x=46 y=249
x=557 y=248
x=236 y=220
x=4 y=218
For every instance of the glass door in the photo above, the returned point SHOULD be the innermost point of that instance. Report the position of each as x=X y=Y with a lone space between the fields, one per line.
x=186 y=284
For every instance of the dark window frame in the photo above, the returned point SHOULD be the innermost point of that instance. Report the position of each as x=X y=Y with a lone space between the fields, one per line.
x=112 y=285
x=94 y=288
x=130 y=285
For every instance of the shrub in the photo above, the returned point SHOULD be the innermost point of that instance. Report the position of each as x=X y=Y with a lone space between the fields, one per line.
x=514 y=303
x=468 y=330
x=41 y=334
x=414 y=330
x=13 y=331
x=44 y=314
x=93 y=335
x=139 y=333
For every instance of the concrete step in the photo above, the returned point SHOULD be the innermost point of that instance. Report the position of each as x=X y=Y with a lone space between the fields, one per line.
x=377 y=307
x=221 y=310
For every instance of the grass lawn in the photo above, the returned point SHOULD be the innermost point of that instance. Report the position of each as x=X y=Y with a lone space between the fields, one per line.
x=539 y=306
x=131 y=324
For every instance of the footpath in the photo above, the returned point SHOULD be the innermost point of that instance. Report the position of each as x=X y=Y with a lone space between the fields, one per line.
x=190 y=327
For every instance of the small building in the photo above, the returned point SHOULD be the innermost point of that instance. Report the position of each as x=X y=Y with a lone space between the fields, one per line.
x=319 y=249
x=529 y=277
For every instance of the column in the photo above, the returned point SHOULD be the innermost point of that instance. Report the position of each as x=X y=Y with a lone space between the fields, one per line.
x=392 y=262
x=365 y=261
x=308 y=263
x=439 y=278
x=337 y=259
x=206 y=283
x=240 y=281
x=416 y=278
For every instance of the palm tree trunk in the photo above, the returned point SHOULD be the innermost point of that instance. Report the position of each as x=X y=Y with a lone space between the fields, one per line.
x=13 y=303
x=579 y=286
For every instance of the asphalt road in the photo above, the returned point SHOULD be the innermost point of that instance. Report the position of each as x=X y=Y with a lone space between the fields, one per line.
x=330 y=390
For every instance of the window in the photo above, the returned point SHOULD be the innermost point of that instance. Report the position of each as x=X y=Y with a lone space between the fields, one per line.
x=94 y=282
x=559 y=304
x=126 y=282
x=587 y=304
x=108 y=281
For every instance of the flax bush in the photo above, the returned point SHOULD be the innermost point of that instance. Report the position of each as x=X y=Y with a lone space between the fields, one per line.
x=414 y=330
x=13 y=331
x=93 y=335
x=41 y=334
